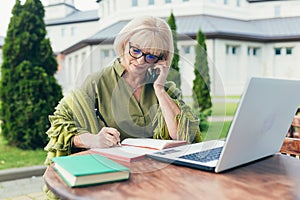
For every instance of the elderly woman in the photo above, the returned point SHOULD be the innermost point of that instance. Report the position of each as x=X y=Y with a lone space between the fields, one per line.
x=130 y=98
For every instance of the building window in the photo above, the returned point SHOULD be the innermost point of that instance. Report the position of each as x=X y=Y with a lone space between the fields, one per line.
x=280 y=50
x=76 y=64
x=249 y=51
x=73 y=31
x=168 y=1
x=108 y=8
x=277 y=11
x=277 y=51
x=225 y=2
x=253 y=51
x=70 y=61
x=232 y=50
x=70 y=76
x=227 y=49
x=187 y=49
x=238 y=3
x=289 y=51
x=83 y=55
x=185 y=0
x=134 y=3
x=105 y=53
x=150 y=2
x=63 y=32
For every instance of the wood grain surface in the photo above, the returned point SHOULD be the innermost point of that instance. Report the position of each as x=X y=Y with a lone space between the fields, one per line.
x=275 y=177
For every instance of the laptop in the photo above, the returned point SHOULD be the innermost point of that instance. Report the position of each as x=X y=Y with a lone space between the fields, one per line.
x=258 y=129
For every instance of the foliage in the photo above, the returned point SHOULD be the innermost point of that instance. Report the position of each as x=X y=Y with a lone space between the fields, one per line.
x=28 y=89
x=201 y=83
x=174 y=73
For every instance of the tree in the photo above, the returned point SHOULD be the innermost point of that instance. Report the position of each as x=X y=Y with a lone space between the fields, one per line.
x=174 y=74
x=28 y=89
x=201 y=83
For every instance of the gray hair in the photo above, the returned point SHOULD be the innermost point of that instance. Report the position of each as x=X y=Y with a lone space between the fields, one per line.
x=148 y=32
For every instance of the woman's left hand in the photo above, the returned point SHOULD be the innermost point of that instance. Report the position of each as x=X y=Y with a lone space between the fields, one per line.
x=162 y=67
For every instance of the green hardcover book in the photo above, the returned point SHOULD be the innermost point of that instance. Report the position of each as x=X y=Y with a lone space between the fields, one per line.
x=89 y=169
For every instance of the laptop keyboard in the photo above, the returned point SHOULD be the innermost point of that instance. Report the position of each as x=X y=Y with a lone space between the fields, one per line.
x=204 y=156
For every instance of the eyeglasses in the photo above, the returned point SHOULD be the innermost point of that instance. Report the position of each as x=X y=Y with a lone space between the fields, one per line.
x=149 y=58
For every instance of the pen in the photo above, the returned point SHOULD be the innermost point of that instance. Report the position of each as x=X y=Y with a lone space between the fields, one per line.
x=102 y=119
x=100 y=116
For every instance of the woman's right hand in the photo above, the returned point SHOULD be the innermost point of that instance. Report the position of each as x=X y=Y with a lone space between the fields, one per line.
x=107 y=137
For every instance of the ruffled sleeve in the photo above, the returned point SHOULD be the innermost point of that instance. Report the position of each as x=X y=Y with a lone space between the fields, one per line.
x=74 y=115
x=188 y=124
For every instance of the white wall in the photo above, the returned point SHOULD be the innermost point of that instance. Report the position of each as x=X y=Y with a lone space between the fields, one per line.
x=64 y=36
x=272 y=9
x=236 y=69
x=58 y=11
x=286 y=66
x=78 y=65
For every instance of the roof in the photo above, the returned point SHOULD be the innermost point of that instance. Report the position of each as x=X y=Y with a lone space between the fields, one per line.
x=212 y=25
x=259 y=1
x=276 y=28
x=109 y=32
x=75 y=17
x=262 y=30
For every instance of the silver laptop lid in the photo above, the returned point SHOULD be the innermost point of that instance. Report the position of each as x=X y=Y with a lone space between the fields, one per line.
x=261 y=121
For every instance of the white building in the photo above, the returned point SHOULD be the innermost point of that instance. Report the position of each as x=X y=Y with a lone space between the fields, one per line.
x=67 y=25
x=244 y=39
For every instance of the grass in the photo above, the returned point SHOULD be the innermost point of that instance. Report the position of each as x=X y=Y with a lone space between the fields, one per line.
x=12 y=157
x=216 y=130
x=222 y=109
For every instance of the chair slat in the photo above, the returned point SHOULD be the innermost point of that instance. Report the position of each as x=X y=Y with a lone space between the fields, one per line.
x=291 y=146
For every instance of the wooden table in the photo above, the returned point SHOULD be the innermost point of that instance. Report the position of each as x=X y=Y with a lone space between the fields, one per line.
x=276 y=177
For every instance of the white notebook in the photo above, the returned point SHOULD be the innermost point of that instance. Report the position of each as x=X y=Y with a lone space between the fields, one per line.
x=136 y=148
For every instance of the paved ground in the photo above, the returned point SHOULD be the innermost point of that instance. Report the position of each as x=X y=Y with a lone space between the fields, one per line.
x=219 y=118
x=22 y=189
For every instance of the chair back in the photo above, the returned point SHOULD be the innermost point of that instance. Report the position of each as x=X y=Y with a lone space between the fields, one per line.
x=291 y=146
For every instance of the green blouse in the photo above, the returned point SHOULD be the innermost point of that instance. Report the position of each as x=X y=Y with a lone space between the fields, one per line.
x=108 y=92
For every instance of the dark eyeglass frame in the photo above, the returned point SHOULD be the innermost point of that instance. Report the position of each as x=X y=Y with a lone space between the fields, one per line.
x=160 y=57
